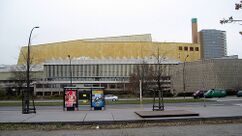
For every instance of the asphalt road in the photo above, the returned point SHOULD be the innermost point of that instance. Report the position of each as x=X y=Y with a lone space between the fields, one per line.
x=195 y=130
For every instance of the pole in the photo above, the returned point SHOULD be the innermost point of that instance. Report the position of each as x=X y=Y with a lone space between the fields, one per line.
x=203 y=83
x=69 y=56
x=25 y=109
x=204 y=104
x=184 y=85
x=161 y=106
x=140 y=92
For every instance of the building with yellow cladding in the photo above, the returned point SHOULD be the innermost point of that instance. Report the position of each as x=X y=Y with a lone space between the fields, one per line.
x=134 y=46
x=105 y=62
x=113 y=63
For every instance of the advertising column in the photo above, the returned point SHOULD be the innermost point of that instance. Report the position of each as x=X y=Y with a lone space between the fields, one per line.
x=70 y=99
x=98 y=101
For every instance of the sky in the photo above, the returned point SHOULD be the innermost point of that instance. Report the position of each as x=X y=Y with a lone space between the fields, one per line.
x=63 y=20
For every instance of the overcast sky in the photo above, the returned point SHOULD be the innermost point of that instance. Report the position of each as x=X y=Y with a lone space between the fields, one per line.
x=61 y=20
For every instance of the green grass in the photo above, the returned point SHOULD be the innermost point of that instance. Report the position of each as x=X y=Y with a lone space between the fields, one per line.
x=151 y=101
x=19 y=103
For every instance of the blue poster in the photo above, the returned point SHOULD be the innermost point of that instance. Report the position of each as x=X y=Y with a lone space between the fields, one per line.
x=98 y=98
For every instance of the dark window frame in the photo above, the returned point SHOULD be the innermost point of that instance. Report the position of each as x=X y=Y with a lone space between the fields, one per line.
x=191 y=49
x=185 y=48
x=196 y=48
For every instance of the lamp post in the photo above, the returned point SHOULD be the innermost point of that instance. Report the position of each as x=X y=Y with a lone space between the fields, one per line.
x=184 y=85
x=25 y=108
x=140 y=92
x=69 y=56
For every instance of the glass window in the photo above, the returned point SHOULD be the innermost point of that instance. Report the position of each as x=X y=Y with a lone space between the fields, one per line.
x=53 y=70
x=197 y=49
x=186 y=48
x=77 y=70
x=180 y=48
x=61 y=70
x=191 y=48
x=82 y=70
x=111 y=86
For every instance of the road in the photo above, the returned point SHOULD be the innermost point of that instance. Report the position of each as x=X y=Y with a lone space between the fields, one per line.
x=195 y=130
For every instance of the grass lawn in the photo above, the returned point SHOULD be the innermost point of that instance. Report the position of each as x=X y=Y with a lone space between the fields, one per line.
x=54 y=103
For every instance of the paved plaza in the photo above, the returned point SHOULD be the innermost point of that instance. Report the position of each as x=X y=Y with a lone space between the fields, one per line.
x=110 y=114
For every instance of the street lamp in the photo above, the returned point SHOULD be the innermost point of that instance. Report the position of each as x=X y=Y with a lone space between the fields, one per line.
x=184 y=85
x=69 y=56
x=25 y=108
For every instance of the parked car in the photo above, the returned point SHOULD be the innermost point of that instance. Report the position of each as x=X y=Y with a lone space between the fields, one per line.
x=199 y=94
x=215 y=93
x=239 y=93
x=111 y=97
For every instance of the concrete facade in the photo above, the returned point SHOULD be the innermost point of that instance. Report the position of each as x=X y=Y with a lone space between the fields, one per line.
x=112 y=74
x=207 y=74
x=9 y=76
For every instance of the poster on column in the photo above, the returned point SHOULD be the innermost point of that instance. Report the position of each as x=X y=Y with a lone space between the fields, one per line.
x=97 y=98
x=70 y=98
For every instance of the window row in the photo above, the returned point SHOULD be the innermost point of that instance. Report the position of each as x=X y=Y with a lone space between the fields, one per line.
x=87 y=70
x=96 y=70
x=186 y=48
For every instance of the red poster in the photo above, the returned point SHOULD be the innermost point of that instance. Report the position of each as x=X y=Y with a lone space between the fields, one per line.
x=70 y=98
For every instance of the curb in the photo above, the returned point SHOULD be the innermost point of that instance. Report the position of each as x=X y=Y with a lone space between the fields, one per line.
x=139 y=123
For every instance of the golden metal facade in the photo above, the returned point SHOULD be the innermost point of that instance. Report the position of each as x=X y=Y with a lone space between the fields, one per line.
x=107 y=49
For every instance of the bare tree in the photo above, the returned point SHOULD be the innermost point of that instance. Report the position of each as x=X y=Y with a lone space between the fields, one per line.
x=18 y=74
x=151 y=76
x=22 y=78
x=144 y=73
x=158 y=79
x=18 y=77
x=238 y=6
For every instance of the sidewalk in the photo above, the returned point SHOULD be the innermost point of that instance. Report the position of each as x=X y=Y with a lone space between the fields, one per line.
x=115 y=115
